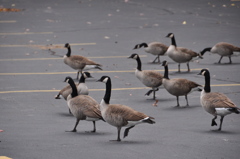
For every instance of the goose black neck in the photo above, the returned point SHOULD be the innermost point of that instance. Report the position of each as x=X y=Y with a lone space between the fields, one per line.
x=207 y=87
x=139 y=64
x=107 y=95
x=166 y=72
x=82 y=79
x=69 y=52
x=174 y=41
x=143 y=45
x=205 y=50
x=74 y=88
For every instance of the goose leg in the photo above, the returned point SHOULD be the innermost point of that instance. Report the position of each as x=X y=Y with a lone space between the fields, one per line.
x=213 y=121
x=154 y=96
x=94 y=127
x=149 y=92
x=158 y=59
x=177 y=102
x=119 y=130
x=127 y=131
x=186 y=100
x=179 y=67
x=220 y=59
x=221 y=120
x=69 y=111
x=154 y=60
x=230 y=60
x=188 y=66
x=75 y=127
x=77 y=75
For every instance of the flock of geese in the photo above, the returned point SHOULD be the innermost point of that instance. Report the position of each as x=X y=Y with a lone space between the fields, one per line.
x=84 y=107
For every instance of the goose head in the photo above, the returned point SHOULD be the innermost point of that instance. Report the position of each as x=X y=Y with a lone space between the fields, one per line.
x=164 y=63
x=87 y=75
x=103 y=79
x=133 y=56
x=67 y=45
x=204 y=72
x=170 y=35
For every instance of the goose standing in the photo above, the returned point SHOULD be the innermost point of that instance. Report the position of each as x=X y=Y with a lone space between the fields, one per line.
x=149 y=78
x=78 y=62
x=83 y=107
x=178 y=86
x=81 y=88
x=215 y=103
x=155 y=48
x=222 y=49
x=179 y=54
x=120 y=115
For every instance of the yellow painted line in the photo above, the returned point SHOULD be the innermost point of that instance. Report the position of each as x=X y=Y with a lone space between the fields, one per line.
x=26 y=33
x=54 y=73
x=4 y=157
x=114 y=89
x=59 y=58
x=8 y=21
x=30 y=45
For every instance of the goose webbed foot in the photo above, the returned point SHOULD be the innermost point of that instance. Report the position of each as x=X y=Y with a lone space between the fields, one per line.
x=149 y=92
x=127 y=131
x=74 y=130
x=214 y=122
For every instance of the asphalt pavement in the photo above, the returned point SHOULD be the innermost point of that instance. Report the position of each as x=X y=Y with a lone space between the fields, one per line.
x=33 y=123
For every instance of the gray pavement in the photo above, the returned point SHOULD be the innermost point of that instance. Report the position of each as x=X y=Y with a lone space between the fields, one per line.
x=33 y=123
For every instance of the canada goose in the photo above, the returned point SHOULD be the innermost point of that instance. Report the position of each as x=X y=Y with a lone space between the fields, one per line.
x=81 y=87
x=215 y=103
x=83 y=107
x=120 y=115
x=179 y=54
x=149 y=78
x=178 y=86
x=222 y=49
x=78 y=62
x=155 y=48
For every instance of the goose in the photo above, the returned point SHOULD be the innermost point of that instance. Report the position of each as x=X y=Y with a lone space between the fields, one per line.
x=83 y=107
x=81 y=87
x=178 y=86
x=155 y=48
x=215 y=103
x=119 y=115
x=149 y=78
x=77 y=62
x=180 y=54
x=222 y=49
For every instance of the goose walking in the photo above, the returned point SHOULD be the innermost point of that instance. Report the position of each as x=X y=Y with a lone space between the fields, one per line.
x=83 y=107
x=149 y=78
x=178 y=86
x=180 y=54
x=222 y=49
x=119 y=115
x=155 y=48
x=215 y=103
x=77 y=62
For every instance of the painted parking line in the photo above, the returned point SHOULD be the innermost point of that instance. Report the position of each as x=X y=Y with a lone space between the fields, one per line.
x=4 y=157
x=26 y=33
x=8 y=21
x=60 y=58
x=37 y=46
x=114 y=89
x=113 y=71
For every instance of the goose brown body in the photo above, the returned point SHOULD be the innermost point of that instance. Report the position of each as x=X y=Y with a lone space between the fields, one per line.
x=215 y=103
